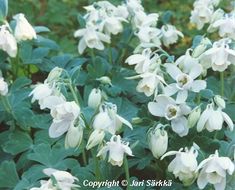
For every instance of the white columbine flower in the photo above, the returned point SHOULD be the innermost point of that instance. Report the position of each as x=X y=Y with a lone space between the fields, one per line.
x=107 y=120
x=158 y=141
x=165 y=106
x=141 y=19
x=3 y=87
x=64 y=116
x=91 y=38
x=213 y=118
x=23 y=30
x=185 y=81
x=7 y=41
x=113 y=25
x=214 y=171
x=184 y=165
x=219 y=57
x=226 y=26
x=170 y=34
x=63 y=180
x=116 y=148
x=201 y=14
x=74 y=135
x=95 y=98
x=143 y=61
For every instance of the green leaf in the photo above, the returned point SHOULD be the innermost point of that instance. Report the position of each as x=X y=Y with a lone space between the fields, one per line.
x=18 y=141
x=8 y=174
x=3 y=9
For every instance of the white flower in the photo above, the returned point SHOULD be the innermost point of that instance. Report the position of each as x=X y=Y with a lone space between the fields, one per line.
x=144 y=61
x=107 y=120
x=165 y=106
x=7 y=41
x=141 y=19
x=212 y=119
x=116 y=149
x=95 y=138
x=63 y=180
x=194 y=116
x=201 y=48
x=23 y=30
x=226 y=26
x=74 y=135
x=94 y=98
x=184 y=165
x=121 y=11
x=214 y=171
x=47 y=96
x=134 y=6
x=148 y=35
x=3 y=87
x=150 y=83
x=219 y=57
x=158 y=141
x=185 y=81
x=113 y=25
x=91 y=38
x=64 y=116
x=170 y=34
x=201 y=14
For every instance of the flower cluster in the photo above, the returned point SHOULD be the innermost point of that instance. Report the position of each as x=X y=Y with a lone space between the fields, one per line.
x=9 y=38
x=58 y=180
x=213 y=169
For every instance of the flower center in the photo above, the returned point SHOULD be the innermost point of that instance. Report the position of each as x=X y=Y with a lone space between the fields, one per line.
x=171 y=112
x=183 y=81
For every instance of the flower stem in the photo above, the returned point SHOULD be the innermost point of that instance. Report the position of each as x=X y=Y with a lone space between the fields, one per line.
x=97 y=168
x=222 y=84
x=84 y=157
x=73 y=93
x=110 y=55
x=126 y=167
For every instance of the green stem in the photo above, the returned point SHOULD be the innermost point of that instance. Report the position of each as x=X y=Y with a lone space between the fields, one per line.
x=110 y=55
x=222 y=83
x=92 y=56
x=126 y=168
x=73 y=93
x=84 y=157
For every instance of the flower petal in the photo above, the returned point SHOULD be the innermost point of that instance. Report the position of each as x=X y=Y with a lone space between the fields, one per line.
x=228 y=120
x=198 y=85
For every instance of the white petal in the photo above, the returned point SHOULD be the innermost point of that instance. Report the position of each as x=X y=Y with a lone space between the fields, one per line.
x=59 y=128
x=202 y=180
x=81 y=46
x=228 y=120
x=124 y=121
x=203 y=119
x=173 y=70
x=221 y=185
x=198 y=85
x=170 y=89
x=179 y=126
x=196 y=70
x=182 y=96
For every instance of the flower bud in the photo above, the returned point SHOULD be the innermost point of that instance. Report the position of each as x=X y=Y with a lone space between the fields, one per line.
x=74 y=135
x=95 y=98
x=3 y=87
x=194 y=117
x=54 y=74
x=158 y=141
x=201 y=47
x=105 y=80
x=219 y=101
x=95 y=138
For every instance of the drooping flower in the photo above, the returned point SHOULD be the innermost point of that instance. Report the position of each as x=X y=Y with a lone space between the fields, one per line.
x=91 y=38
x=158 y=141
x=170 y=34
x=165 y=106
x=3 y=87
x=7 y=41
x=144 y=62
x=219 y=57
x=213 y=171
x=185 y=81
x=62 y=180
x=74 y=135
x=212 y=119
x=64 y=116
x=225 y=25
x=94 y=98
x=149 y=35
x=23 y=30
x=184 y=165
x=116 y=148
x=107 y=120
